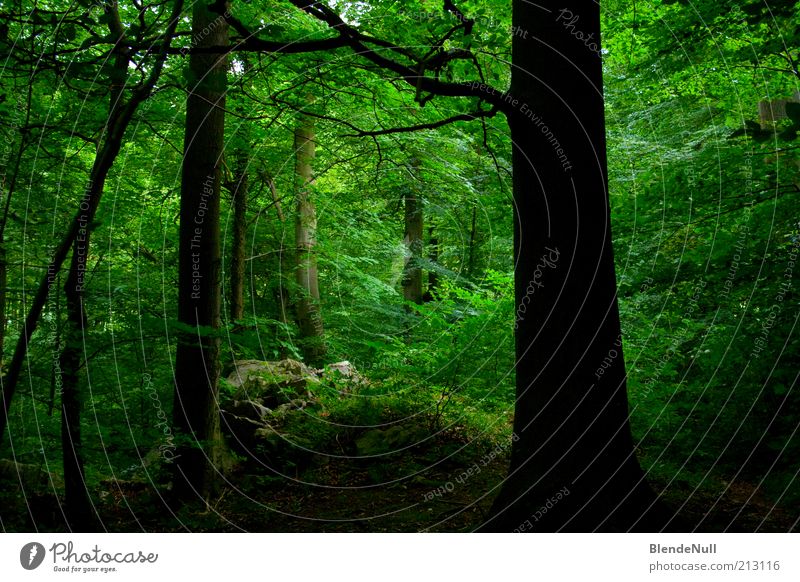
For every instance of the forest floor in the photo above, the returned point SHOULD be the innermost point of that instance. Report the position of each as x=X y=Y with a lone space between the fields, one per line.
x=346 y=495
x=445 y=485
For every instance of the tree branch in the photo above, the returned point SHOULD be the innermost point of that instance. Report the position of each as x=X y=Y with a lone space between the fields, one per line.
x=481 y=113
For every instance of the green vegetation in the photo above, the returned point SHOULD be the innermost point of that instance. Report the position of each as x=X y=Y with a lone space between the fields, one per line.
x=702 y=109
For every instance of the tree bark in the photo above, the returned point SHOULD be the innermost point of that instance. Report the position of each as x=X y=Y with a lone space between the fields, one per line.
x=414 y=228
x=197 y=367
x=309 y=318
x=573 y=466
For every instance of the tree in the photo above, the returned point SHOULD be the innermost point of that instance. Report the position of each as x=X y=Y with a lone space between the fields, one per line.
x=572 y=427
x=414 y=230
x=309 y=318
x=238 y=250
x=571 y=424
x=197 y=367
x=79 y=511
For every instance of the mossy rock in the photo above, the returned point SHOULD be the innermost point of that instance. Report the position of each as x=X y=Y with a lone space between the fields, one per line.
x=272 y=383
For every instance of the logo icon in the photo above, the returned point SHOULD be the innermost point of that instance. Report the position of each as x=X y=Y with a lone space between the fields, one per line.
x=31 y=555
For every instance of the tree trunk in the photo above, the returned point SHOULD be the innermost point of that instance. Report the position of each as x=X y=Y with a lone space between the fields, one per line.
x=239 y=237
x=473 y=233
x=78 y=507
x=412 y=276
x=197 y=367
x=572 y=464
x=433 y=255
x=309 y=318
x=79 y=511
x=3 y=291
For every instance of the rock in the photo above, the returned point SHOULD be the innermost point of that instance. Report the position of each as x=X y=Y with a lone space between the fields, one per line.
x=343 y=376
x=249 y=409
x=344 y=368
x=271 y=383
x=265 y=395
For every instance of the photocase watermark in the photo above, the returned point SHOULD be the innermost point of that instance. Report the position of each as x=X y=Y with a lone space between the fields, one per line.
x=9 y=137
x=167 y=447
x=67 y=559
x=31 y=555
x=551 y=502
x=569 y=22
x=525 y=110
x=612 y=355
x=745 y=230
x=471 y=471
x=547 y=261
x=81 y=240
x=481 y=21
x=506 y=98
x=195 y=242
x=693 y=305
x=53 y=335
x=775 y=309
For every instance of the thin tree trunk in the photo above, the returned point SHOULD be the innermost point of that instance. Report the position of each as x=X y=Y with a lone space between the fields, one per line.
x=573 y=452
x=309 y=318
x=473 y=233
x=4 y=222
x=433 y=255
x=3 y=290
x=414 y=228
x=197 y=366
x=79 y=511
x=55 y=376
x=239 y=237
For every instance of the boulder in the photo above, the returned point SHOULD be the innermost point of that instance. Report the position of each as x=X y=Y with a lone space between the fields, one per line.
x=343 y=376
x=271 y=383
x=266 y=395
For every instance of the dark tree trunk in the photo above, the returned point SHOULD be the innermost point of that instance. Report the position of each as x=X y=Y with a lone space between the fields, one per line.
x=78 y=507
x=309 y=318
x=414 y=229
x=55 y=374
x=239 y=237
x=572 y=466
x=79 y=511
x=3 y=291
x=197 y=368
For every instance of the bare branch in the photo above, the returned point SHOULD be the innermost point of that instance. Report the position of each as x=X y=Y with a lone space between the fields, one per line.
x=479 y=114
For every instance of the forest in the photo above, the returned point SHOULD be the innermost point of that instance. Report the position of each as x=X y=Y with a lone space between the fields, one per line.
x=399 y=266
